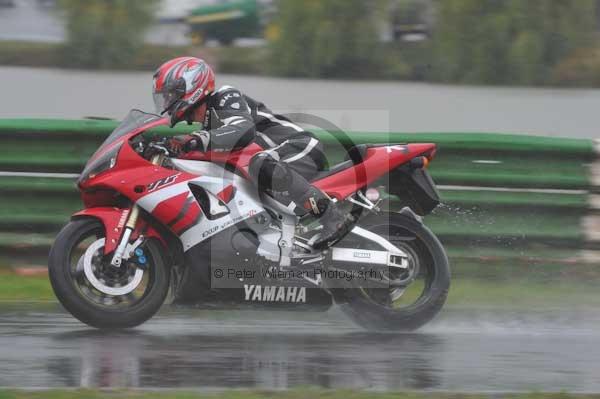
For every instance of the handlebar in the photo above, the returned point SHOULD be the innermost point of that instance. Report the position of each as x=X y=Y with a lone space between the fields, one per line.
x=160 y=147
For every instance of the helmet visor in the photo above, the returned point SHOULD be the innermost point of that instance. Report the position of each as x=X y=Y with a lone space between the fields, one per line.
x=168 y=96
x=164 y=101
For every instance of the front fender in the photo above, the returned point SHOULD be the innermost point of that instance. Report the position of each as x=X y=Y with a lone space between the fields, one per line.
x=113 y=220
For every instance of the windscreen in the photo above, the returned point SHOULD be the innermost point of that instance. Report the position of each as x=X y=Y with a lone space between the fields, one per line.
x=133 y=120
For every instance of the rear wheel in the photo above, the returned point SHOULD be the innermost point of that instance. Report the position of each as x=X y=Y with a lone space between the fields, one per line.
x=409 y=298
x=97 y=293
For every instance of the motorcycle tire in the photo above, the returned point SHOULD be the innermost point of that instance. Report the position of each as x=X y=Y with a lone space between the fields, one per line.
x=76 y=298
x=375 y=316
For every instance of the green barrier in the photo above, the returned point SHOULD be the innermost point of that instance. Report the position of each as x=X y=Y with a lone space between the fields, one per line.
x=512 y=200
x=13 y=189
x=463 y=158
x=471 y=221
x=475 y=142
x=45 y=204
x=60 y=127
x=463 y=142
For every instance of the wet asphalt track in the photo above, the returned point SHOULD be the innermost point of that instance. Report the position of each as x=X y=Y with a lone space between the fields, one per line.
x=463 y=350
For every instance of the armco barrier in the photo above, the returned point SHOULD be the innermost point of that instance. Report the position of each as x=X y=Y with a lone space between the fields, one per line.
x=504 y=195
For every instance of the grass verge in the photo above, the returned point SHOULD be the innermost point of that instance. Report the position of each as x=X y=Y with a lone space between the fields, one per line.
x=25 y=288
x=521 y=293
x=464 y=292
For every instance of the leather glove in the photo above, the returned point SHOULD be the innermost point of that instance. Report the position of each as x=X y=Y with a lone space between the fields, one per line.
x=197 y=141
x=182 y=143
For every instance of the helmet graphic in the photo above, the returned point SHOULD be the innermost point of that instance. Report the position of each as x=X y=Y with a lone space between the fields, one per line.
x=181 y=85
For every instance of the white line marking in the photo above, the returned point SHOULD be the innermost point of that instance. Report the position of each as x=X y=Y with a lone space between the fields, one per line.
x=513 y=190
x=487 y=161
x=441 y=187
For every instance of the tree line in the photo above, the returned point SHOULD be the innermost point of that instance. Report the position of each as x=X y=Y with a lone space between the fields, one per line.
x=516 y=42
x=532 y=42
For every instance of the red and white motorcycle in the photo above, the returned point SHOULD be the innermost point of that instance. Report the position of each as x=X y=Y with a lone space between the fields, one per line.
x=198 y=227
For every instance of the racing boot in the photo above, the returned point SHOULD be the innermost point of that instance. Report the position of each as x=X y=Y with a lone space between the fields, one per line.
x=336 y=224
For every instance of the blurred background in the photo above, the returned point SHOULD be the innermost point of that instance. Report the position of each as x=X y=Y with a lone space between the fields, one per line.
x=95 y=58
x=508 y=89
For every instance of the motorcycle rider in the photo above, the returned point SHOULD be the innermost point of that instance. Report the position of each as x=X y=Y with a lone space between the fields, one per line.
x=184 y=88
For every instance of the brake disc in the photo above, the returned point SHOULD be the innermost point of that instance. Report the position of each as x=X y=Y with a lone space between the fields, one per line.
x=88 y=269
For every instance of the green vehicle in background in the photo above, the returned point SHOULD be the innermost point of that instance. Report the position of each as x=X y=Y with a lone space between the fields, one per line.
x=227 y=21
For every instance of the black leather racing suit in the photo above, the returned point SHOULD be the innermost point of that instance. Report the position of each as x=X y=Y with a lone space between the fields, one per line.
x=292 y=155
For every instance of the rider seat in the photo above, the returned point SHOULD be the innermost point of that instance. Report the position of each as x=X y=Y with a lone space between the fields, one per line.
x=356 y=153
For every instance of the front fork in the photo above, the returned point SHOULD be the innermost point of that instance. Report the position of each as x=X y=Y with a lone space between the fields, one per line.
x=117 y=258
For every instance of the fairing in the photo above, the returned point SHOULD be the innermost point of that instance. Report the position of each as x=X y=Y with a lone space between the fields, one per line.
x=173 y=197
x=136 y=122
x=168 y=194
x=378 y=161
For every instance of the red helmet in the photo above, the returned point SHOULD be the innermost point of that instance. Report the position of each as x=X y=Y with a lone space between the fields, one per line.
x=181 y=85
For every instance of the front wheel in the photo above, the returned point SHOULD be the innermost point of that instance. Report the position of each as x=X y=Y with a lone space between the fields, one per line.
x=411 y=297
x=97 y=293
